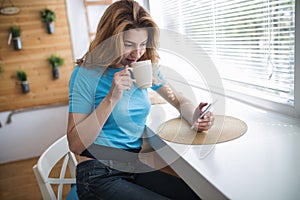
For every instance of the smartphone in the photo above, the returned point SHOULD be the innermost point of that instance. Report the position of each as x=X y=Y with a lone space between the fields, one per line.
x=208 y=107
x=205 y=110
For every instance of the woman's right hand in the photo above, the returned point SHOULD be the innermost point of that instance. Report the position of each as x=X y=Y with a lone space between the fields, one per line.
x=121 y=81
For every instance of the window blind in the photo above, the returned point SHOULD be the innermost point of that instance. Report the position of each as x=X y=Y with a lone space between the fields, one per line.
x=251 y=42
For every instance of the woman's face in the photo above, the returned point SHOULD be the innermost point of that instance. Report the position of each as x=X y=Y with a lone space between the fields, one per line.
x=135 y=41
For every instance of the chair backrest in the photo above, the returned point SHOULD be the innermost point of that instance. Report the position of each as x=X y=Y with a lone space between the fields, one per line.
x=59 y=150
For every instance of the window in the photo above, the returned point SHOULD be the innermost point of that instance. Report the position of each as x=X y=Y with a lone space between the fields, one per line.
x=251 y=42
x=93 y=9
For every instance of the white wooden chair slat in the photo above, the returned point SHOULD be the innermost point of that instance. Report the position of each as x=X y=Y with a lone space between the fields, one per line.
x=52 y=155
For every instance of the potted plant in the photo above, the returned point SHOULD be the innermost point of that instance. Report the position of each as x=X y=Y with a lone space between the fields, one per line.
x=15 y=32
x=48 y=17
x=22 y=76
x=55 y=62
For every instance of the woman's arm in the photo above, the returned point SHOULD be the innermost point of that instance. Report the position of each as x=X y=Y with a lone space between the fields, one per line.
x=83 y=129
x=186 y=108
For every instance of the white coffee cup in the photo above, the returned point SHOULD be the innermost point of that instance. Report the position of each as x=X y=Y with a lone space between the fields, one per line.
x=142 y=73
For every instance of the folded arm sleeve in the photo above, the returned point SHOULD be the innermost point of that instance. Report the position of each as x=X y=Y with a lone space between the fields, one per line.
x=159 y=81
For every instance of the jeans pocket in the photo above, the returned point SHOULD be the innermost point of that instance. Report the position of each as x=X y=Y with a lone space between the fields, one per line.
x=99 y=172
x=89 y=175
x=89 y=170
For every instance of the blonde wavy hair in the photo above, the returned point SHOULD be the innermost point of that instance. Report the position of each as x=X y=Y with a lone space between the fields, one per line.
x=108 y=46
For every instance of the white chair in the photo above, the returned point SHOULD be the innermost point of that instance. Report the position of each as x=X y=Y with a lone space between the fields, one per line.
x=57 y=151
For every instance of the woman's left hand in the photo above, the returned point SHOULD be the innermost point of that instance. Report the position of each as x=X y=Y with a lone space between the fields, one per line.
x=205 y=122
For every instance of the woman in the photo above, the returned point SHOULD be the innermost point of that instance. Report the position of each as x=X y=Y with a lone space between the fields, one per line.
x=108 y=112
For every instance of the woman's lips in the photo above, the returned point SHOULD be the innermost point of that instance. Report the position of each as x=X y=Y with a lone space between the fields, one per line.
x=131 y=60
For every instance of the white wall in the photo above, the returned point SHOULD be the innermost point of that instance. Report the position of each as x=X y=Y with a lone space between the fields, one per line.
x=31 y=132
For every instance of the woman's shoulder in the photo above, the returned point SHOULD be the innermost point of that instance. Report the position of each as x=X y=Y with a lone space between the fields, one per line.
x=95 y=69
x=87 y=71
x=86 y=74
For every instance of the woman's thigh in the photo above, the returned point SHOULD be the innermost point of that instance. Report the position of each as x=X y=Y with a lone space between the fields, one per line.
x=97 y=181
x=165 y=184
x=120 y=188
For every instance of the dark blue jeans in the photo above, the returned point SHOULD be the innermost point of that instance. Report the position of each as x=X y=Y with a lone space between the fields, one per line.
x=96 y=180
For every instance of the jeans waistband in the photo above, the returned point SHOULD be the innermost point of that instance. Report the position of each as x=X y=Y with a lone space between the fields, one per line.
x=128 y=167
x=100 y=152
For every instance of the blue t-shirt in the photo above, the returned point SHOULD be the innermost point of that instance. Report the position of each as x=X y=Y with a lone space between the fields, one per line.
x=125 y=125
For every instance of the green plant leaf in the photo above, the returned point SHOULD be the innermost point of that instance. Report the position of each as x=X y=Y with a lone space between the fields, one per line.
x=47 y=15
x=56 y=61
x=15 y=31
x=21 y=75
x=1 y=69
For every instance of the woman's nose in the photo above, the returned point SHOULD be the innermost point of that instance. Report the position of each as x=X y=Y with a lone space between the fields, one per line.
x=136 y=53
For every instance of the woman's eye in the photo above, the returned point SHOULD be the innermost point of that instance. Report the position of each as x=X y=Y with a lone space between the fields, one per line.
x=128 y=45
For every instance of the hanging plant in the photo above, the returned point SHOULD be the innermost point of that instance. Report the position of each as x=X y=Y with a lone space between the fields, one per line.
x=48 y=17
x=22 y=76
x=15 y=35
x=55 y=62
